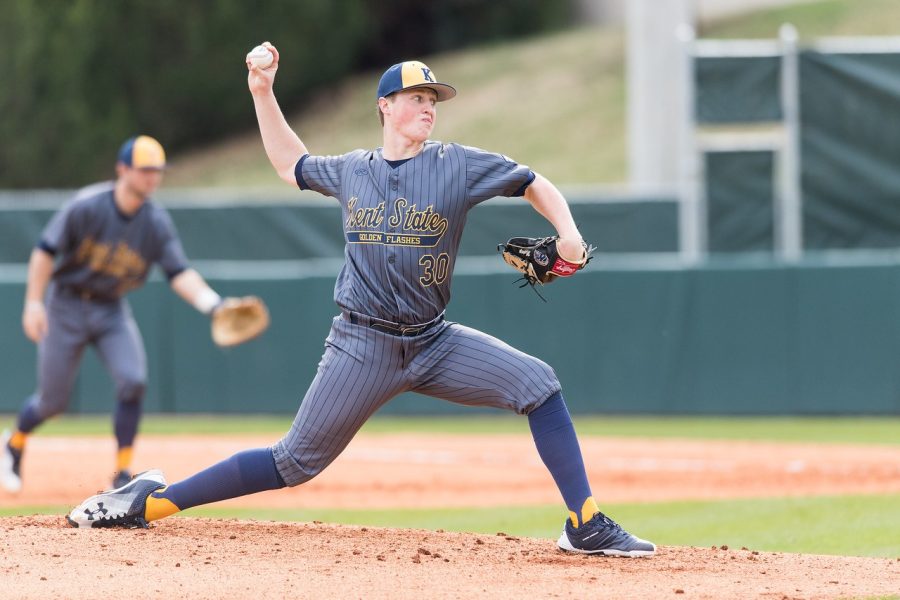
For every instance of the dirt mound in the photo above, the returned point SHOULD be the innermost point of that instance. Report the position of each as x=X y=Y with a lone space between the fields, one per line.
x=214 y=558
x=200 y=558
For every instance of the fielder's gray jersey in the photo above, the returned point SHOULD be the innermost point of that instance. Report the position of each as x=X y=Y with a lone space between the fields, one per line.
x=403 y=225
x=106 y=253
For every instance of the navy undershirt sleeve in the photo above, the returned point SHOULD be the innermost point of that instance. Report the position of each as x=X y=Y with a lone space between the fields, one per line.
x=170 y=275
x=43 y=245
x=298 y=173
x=521 y=190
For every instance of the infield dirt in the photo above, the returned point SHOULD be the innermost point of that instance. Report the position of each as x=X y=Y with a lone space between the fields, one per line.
x=205 y=558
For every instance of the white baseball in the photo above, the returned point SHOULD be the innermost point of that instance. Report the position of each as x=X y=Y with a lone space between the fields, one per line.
x=260 y=57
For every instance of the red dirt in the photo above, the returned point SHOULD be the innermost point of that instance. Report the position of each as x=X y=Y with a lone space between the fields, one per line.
x=200 y=558
x=203 y=558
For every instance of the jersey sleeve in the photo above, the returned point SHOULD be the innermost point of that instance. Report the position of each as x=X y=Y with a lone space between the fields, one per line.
x=60 y=232
x=489 y=174
x=171 y=259
x=321 y=174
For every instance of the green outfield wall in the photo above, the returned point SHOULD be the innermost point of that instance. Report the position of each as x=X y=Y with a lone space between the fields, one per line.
x=311 y=226
x=737 y=336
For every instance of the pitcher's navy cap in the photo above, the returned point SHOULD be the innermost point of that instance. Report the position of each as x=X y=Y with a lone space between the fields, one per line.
x=142 y=152
x=412 y=74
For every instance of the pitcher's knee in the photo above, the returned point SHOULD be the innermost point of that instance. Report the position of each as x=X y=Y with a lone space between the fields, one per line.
x=293 y=471
x=549 y=374
x=540 y=384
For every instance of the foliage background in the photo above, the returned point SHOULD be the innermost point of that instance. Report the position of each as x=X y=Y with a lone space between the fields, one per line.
x=84 y=75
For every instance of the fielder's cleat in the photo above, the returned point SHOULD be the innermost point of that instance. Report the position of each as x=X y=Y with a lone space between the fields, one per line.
x=10 y=465
x=602 y=535
x=121 y=479
x=122 y=507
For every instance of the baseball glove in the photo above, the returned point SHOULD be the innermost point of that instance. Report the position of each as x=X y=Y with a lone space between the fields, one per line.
x=538 y=259
x=237 y=320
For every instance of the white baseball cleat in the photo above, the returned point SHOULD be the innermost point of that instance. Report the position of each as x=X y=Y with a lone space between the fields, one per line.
x=121 y=507
x=10 y=465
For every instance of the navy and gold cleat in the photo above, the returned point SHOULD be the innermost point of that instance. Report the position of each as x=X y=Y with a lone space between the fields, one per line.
x=122 y=507
x=602 y=535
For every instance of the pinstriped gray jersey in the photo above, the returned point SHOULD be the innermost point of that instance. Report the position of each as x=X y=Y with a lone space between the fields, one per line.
x=403 y=225
x=103 y=251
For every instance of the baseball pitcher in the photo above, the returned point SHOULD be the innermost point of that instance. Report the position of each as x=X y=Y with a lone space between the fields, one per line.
x=403 y=206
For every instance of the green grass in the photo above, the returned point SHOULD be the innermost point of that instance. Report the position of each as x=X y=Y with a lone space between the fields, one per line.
x=845 y=525
x=882 y=430
x=839 y=525
x=856 y=430
x=813 y=20
x=164 y=425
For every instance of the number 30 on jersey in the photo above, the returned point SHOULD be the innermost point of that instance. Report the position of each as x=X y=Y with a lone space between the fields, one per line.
x=436 y=269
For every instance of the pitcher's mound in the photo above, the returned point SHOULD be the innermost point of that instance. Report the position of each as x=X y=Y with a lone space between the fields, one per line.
x=214 y=558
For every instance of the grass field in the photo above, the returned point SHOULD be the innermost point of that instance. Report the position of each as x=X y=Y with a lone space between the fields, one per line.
x=856 y=430
x=840 y=525
x=845 y=525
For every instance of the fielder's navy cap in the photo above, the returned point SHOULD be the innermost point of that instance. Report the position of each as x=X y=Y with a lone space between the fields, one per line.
x=412 y=74
x=142 y=152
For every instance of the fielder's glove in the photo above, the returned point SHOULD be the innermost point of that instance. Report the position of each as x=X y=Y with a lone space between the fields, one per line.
x=538 y=259
x=237 y=320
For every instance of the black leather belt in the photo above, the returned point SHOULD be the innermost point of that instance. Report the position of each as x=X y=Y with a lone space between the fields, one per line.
x=76 y=292
x=390 y=327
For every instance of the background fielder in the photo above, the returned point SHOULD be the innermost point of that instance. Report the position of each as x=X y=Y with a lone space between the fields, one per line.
x=98 y=247
x=404 y=206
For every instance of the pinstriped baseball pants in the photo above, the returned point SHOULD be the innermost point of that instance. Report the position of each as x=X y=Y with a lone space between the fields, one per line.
x=363 y=368
x=73 y=325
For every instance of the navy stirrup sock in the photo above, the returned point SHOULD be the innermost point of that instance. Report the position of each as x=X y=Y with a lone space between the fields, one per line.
x=125 y=423
x=557 y=444
x=29 y=417
x=244 y=473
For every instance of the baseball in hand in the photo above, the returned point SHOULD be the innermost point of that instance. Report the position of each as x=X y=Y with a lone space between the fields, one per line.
x=260 y=57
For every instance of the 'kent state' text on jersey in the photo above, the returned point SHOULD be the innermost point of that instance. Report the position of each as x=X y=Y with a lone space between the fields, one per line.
x=403 y=224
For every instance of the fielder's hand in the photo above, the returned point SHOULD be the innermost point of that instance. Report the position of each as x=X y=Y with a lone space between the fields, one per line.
x=34 y=320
